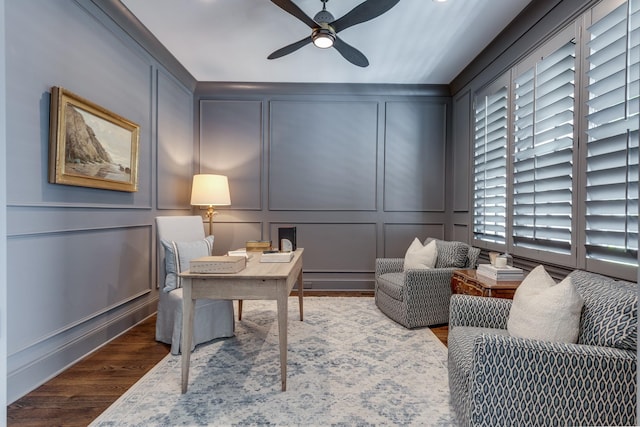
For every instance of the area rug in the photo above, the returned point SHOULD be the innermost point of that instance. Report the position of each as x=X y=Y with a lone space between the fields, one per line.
x=348 y=365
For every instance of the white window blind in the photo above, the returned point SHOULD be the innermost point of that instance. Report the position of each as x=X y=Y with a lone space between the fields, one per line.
x=543 y=152
x=490 y=166
x=612 y=136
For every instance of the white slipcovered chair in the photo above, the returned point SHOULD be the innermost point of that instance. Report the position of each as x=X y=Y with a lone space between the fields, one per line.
x=213 y=318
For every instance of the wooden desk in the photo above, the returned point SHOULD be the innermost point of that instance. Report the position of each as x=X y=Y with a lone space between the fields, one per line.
x=270 y=281
x=468 y=282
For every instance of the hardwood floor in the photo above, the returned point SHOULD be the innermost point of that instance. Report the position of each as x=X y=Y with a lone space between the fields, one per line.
x=81 y=393
x=442 y=332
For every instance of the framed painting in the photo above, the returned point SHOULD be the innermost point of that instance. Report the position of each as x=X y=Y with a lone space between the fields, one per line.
x=90 y=146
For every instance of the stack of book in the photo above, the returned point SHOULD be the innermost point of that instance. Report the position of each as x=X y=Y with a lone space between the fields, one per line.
x=275 y=256
x=507 y=273
x=258 y=245
x=239 y=252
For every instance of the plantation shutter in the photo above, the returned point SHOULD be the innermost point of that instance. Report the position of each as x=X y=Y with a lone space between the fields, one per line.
x=612 y=136
x=543 y=152
x=490 y=165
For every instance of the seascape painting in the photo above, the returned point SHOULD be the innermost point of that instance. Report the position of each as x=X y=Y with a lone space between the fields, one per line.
x=95 y=147
x=91 y=146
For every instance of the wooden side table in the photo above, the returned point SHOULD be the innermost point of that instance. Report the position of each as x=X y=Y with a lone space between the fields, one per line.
x=468 y=282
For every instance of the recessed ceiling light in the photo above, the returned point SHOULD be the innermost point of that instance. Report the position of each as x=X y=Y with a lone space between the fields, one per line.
x=439 y=1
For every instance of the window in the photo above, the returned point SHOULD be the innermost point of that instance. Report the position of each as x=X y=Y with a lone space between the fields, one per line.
x=612 y=136
x=543 y=152
x=564 y=131
x=490 y=163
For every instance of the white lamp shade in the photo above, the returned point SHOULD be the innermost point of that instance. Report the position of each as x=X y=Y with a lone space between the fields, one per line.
x=210 y=190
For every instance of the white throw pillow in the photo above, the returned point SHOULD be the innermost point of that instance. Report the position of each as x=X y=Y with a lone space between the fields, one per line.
x=544 y=310
x=420 y=257
x=177 y=257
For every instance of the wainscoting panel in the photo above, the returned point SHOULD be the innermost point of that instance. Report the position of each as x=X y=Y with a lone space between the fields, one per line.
x=331 y=155
x=461 y=163
x=461 y=232
x=81 y=261
x=175 y=143
x=233 y=235
x=323 y=155
x=94 y=271
x=231 y=144
x=335 y=247
x=398 y=237
x=414 y=163
x=60 y=44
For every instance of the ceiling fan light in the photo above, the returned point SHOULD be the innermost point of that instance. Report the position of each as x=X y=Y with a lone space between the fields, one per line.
x=323 y=38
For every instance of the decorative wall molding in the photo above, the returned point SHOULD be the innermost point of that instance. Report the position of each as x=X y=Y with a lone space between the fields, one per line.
x=237 y=90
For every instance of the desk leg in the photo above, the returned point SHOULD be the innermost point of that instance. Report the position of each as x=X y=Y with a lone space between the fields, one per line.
x=300 y=293
x=187 y=331
x=282 y=333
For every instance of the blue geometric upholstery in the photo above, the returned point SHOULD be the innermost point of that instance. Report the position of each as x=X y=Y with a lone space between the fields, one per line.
x=480 y=312
x=451 y=254
x=610 y=314
x=416 y=298
x=499 y=380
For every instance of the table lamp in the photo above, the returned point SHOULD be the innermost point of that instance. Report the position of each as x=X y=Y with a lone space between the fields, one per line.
x=210 y=190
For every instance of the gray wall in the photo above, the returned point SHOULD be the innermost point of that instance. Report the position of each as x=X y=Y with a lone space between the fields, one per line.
x=358 y=170
x=3 y=223
x=81 y=261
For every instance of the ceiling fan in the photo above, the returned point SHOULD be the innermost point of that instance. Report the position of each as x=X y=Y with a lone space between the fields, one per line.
x=325 y=27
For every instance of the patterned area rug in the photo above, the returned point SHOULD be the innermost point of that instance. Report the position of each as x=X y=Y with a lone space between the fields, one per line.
x=348 y=364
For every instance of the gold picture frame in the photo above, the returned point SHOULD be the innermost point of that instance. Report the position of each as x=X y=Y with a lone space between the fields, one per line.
x=90 y=146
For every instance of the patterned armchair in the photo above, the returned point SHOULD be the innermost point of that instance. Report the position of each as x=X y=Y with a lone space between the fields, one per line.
x=421 y=297
x=499 y=380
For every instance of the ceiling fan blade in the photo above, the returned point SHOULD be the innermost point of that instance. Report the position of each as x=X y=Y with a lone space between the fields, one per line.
x=290 y=48
x=290 y=7
x=350 y=53
x=363 y=12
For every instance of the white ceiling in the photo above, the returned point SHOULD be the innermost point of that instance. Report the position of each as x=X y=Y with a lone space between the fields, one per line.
x=416 y=42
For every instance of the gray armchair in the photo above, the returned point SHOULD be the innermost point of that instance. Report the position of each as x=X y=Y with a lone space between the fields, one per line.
x=499 y=380
x=213 y=318
x=417 y=297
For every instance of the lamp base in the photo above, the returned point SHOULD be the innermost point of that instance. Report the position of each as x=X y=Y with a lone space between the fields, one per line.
x=210 y=214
